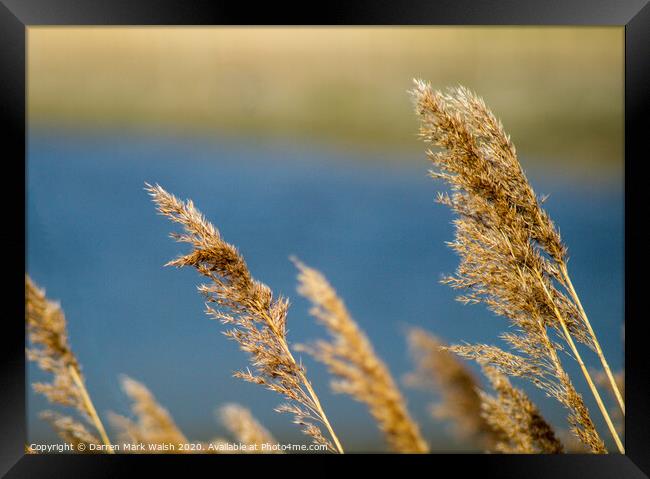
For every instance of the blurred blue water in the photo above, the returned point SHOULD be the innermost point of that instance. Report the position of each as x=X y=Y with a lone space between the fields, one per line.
x=371 y=225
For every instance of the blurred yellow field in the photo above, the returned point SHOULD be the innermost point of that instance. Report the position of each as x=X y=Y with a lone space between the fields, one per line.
x=559 y=90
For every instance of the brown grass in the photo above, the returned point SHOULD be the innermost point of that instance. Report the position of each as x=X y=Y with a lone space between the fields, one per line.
x=51 y=351
x=512 y=257
x=154 y=424
x=70 y=430
x=507 y=422
x=350 y=357
x=257 y=319
x=440 y=371
x=155 y=428
x=245 y=428
x=602 y=380
x=515 y=420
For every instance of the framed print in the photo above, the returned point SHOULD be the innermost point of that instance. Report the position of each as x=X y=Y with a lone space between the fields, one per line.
x=260 y=234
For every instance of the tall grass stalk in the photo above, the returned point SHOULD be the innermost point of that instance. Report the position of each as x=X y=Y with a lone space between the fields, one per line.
x=258 y=320
x=512 y=257
x=611 y=378
x=244 y=427
x=154 y=424
x=350 y=357
x=458 y=388
x=515 y=420
x=51 y=351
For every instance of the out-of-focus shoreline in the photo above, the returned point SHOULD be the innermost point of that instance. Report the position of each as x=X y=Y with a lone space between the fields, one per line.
x=559 y=91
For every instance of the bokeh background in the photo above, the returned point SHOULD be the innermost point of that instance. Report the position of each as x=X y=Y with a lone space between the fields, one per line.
x=298 y=141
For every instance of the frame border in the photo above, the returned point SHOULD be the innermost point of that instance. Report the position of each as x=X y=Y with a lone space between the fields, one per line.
x=17 y=15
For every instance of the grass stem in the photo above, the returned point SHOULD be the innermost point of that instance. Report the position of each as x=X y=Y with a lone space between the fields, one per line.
x=599 y=351
x=585 y=372
x=90 y=407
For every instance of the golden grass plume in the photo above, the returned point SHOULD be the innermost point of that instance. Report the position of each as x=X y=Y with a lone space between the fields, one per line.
x=70 y=430
x=51 y=351
x=153 y=426
x=516 y=421
x=440 y=371
x=511 y=255
x=245 y=428
x=256 y=318
x=351 y=358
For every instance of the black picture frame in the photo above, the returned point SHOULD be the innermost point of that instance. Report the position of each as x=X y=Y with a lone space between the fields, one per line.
x=18 y=15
